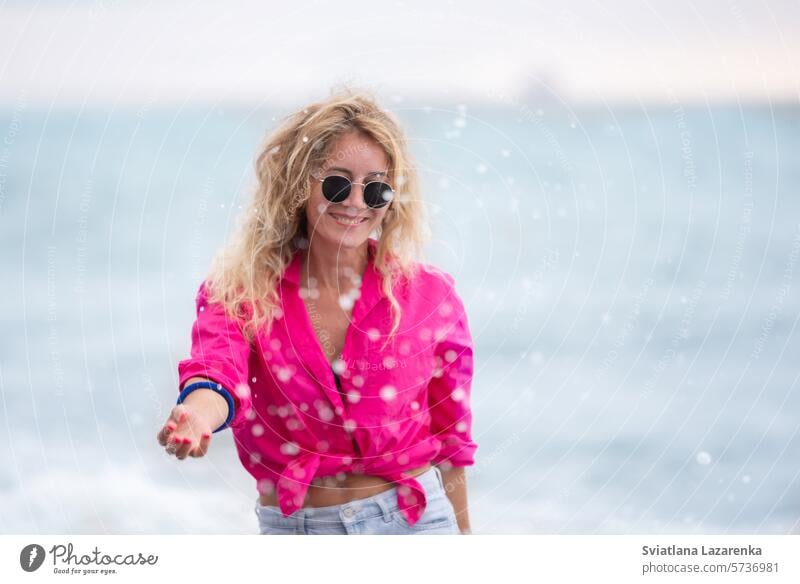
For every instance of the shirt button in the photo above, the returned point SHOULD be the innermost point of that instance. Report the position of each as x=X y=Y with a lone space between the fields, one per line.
x=348 y=512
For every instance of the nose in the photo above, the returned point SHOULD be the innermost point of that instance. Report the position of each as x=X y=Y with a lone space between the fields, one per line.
x=356 y=198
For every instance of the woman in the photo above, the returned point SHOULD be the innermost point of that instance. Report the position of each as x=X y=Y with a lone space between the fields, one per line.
x=342 y=365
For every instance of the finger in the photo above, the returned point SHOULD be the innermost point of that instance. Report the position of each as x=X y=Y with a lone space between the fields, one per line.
x=201 y=448
x=205 y=441
x=168 y=428
x=184 y=448
x=173 y=444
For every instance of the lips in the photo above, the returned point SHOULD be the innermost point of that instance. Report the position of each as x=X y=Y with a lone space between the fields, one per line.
x=347 y=220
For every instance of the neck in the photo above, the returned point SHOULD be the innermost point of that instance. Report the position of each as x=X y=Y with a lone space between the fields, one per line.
x=333 y=266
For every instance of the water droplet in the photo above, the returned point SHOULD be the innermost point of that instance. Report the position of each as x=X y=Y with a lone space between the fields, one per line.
x=373 y=334
x=257 y=430
x=458 y=394
x=290 y=448
x=388 y=392
x=450 y=355
x=266 y=487
x=461 y=427
x=415 y=405
x=346 y=301
x=339 y=366
x=746 y=479
x=305 y=139
x=358 y=381
x=481 y=168
x=402 y=458
x=349 y=425
x=353 y=396
x=275 y=344
x=703 y=458
x=255 y=458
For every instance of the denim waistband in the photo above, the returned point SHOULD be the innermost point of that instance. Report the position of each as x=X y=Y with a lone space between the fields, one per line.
x=383 y=503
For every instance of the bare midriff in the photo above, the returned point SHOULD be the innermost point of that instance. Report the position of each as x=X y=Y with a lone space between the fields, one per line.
x=330 y=490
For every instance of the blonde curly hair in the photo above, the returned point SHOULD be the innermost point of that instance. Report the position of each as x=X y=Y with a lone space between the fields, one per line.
x=244 y=275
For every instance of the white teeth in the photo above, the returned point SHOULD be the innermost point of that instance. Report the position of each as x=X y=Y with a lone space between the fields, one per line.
x=349 y=221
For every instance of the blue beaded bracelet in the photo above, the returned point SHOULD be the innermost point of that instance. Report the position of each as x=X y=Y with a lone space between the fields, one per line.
x=215 y=387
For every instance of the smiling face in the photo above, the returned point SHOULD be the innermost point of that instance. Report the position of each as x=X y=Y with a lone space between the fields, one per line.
x=349 y=223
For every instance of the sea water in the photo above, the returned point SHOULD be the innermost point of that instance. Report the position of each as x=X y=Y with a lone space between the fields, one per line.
x=630 y=272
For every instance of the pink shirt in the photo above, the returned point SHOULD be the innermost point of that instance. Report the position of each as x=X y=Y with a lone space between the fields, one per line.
x=397 y=410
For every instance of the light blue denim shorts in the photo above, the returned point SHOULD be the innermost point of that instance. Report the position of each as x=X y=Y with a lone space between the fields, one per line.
x=376 y=515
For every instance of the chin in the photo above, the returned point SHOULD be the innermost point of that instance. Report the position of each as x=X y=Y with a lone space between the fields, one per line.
x=349 y=240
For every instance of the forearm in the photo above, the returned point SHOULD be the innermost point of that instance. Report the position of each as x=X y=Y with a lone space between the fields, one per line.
x=455 y=485
x=210 y=405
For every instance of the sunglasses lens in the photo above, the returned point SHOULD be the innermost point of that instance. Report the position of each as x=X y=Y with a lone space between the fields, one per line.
x=336 y=188
x=378 y=194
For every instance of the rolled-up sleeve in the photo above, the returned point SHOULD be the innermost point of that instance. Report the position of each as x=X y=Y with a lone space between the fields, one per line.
x=219 y=352
x=449 y=391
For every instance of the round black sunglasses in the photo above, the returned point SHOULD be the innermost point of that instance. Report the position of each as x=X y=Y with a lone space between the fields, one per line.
x=336 y=189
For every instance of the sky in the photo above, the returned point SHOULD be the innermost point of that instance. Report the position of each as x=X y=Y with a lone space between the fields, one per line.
x=114 y=51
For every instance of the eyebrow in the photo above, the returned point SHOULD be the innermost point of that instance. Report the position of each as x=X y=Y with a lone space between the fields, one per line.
x=340 y=169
